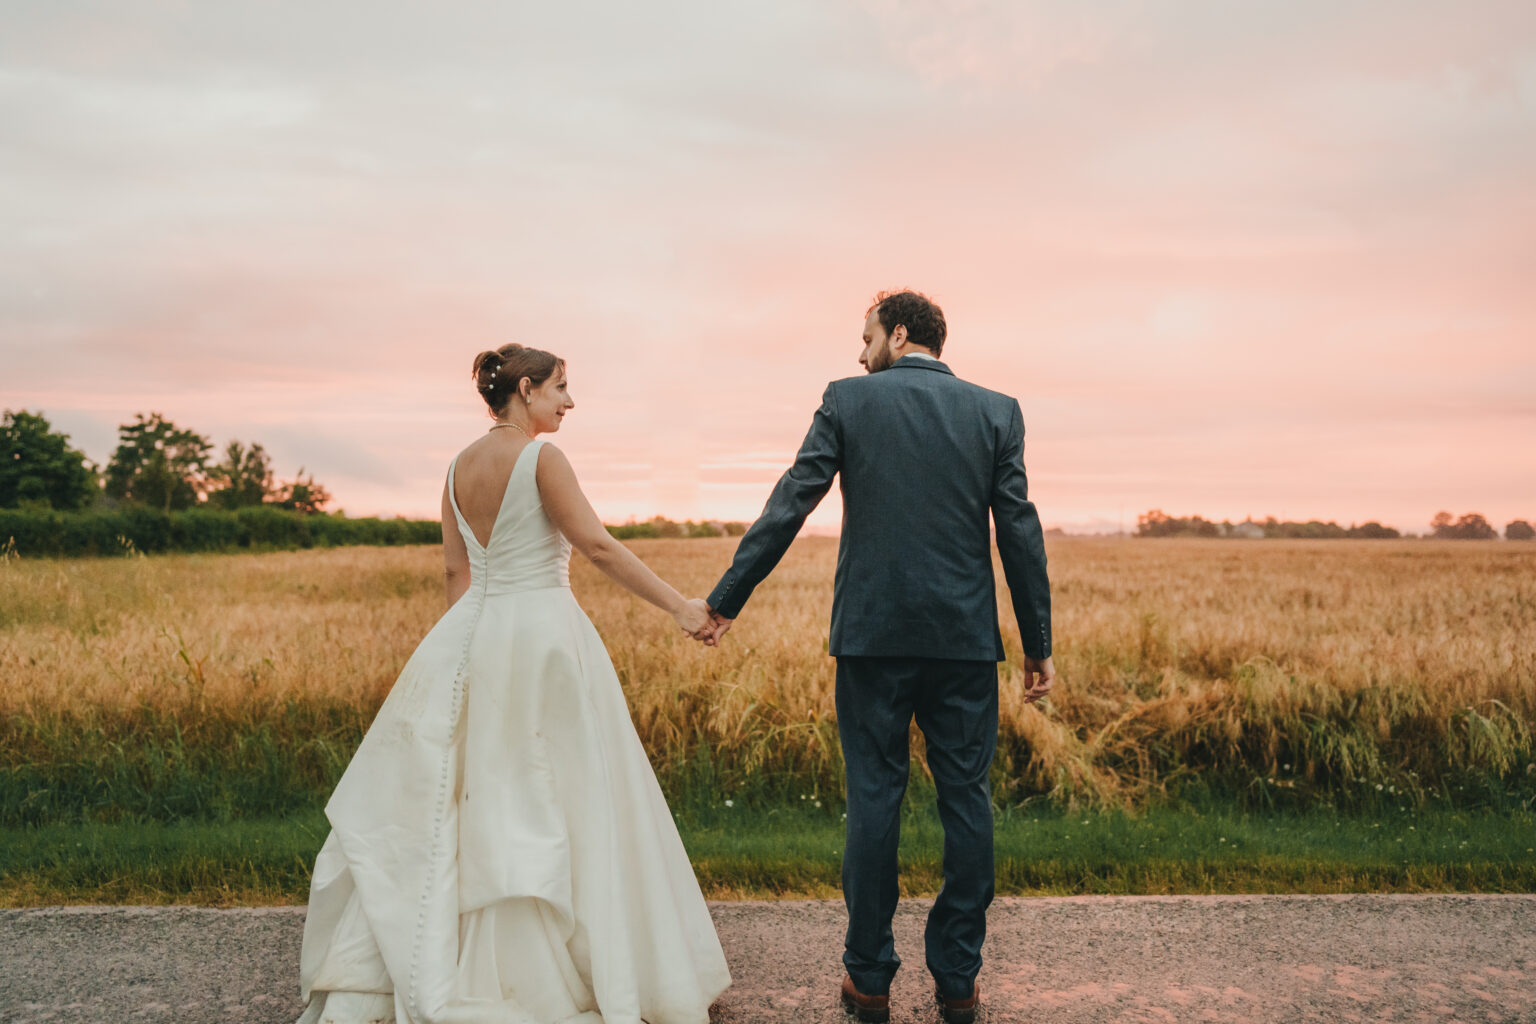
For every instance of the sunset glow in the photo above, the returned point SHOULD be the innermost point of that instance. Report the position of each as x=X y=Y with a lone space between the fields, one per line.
x=1268 y=259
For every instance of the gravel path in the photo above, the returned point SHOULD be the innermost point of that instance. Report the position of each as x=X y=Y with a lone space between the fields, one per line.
x=1276 y=959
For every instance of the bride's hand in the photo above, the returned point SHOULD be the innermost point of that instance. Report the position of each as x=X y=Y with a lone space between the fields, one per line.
x=693 y=616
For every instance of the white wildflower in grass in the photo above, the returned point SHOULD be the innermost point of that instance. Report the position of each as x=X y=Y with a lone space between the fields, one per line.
x=730 y=803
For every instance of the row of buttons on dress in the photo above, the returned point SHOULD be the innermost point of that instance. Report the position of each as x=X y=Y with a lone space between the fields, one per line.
x=442 y=793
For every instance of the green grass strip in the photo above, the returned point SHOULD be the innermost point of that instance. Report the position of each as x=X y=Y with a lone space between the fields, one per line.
x=793 y=853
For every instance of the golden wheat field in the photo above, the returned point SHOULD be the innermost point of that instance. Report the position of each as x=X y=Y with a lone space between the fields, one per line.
x=1277 y=668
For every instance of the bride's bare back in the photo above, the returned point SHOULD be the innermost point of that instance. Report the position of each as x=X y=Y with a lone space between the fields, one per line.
x=480 y=480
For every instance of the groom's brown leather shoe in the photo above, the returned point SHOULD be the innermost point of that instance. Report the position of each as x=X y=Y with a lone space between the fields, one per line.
x=869 y=1009
x=959 y=1011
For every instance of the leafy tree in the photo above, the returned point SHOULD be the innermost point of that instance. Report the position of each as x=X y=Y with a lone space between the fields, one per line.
x=667 y=528
x=1519 y=530
x=1154 y=523
x=1474 y=527
x=38 y=467
x=158 y=464
x=1471 y=526
x=302 y=494
x=1373 y=531
x=243 y=478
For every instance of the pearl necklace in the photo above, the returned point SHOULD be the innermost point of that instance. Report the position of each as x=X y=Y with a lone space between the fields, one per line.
x=515 y=427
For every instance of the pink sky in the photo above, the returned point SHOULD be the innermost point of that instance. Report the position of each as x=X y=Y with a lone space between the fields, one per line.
x=1270 y=258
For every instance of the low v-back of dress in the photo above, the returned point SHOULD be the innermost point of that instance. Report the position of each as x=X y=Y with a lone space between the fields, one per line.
x=500 y=850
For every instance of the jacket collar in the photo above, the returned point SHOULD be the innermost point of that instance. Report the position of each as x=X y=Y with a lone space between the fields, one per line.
x=919 y=363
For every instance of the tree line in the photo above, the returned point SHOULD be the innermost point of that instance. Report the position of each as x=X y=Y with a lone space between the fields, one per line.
x=1444 y=526
x=661 y=526
x=156 y=465
x=162 y=489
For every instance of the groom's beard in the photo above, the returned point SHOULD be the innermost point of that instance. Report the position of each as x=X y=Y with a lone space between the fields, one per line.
x=881 y=360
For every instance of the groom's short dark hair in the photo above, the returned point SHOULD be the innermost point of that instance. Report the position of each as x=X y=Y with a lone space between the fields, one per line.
x=921 y=316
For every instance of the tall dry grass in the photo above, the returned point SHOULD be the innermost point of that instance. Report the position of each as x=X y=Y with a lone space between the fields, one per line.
x=1273 y=673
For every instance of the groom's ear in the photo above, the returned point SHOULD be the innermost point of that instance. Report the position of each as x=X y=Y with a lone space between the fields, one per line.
x=898 y=334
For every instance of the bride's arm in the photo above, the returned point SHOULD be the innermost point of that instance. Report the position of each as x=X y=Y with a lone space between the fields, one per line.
x=572 y=514
x=455 y=554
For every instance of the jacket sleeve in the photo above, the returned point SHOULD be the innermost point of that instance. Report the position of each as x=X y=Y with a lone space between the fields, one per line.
x=1020 y=543
x=798 y=491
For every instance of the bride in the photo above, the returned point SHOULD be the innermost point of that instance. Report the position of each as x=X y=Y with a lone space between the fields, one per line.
x=499 y=848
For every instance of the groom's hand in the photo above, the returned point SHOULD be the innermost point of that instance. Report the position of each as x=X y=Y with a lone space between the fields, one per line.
x=721 y=626
x=1039 y=677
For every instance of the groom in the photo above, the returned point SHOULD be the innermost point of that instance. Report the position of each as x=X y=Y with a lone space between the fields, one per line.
x=923 y=457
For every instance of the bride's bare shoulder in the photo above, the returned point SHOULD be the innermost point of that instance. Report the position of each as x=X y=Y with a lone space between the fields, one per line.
x=469 y=452
x=486 y=450
x=552 y=461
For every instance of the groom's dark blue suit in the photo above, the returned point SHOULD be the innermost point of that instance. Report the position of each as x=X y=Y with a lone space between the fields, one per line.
x=923 y=458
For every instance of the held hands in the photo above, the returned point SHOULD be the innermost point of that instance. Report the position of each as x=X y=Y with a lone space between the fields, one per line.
x=701 y=622
x=721 y=626
x=1039 y=677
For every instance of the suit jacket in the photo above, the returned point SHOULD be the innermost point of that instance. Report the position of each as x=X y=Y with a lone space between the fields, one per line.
x=923 y=458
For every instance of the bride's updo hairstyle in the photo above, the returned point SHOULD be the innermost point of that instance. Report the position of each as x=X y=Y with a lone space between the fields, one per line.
x=497 y=373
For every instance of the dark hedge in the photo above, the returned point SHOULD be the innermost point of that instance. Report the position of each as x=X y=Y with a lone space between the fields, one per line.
x=149 y=531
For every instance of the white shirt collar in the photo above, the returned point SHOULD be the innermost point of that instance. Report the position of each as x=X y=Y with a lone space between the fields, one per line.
x=921 y=355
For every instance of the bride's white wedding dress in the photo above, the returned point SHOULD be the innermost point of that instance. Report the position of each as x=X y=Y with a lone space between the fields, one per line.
x=499 y=848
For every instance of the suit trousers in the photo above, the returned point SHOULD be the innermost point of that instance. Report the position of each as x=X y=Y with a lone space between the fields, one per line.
x=955 y=705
